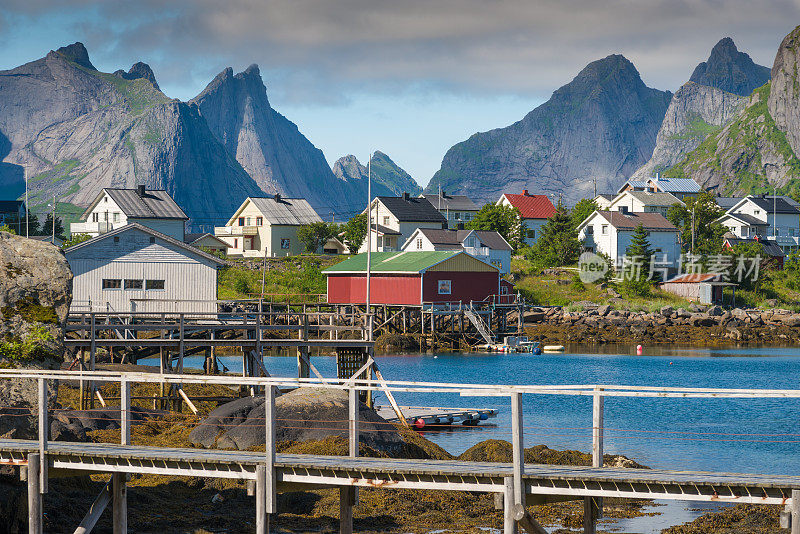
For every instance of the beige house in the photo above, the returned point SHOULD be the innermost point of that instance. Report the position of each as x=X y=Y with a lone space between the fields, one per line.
x=644 y=202
x=207 y=243
x=267 y=226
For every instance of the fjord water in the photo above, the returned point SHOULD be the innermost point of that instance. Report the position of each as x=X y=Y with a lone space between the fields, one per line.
x=734 y=435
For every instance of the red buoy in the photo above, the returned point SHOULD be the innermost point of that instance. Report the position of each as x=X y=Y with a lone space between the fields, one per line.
x=419 y=423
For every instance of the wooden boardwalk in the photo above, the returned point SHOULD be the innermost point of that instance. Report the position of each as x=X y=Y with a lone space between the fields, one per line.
x=519 y=484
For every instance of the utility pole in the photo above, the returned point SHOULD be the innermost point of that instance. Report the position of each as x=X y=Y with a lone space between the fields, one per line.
x=53 y=220
x=595 y=187
x=774 y=213
x=369 y=224
x=27 y=218
x=693 y=208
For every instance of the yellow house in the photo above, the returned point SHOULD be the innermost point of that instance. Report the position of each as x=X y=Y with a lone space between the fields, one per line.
x=267 y=226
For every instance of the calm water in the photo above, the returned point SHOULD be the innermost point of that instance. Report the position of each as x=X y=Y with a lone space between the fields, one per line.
x=740 y=435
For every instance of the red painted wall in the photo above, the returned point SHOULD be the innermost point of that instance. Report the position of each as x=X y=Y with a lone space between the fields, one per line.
x=384 y=289
x=463 y=286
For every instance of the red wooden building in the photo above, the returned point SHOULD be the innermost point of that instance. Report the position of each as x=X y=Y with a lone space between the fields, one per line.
x=411 y=278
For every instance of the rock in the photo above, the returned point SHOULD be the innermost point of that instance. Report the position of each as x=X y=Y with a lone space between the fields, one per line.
x=613 y=293
x=60 y=431
x=683 y=313
x=729 y=70
x=611 y=128
x=387 y=177
x=667 y=311
x=696 y=308
x=791 y=320
x=228 y=415
x=771 y=303
x=739 y=313
x=603 y=310
x=784 y=101
x=714 y=311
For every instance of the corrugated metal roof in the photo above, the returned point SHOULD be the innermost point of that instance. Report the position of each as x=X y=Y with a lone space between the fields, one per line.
x=532 y=206
x=155 y=203
x=727 y=203
x=289 y=211
x=636 y=184
x=413 y=209
x=778 y=205
x=452 y=202
x=630 y=220
x=693 y=278
x=392 y=262
x=677 y=185
x=649 y=198
x=489 y=239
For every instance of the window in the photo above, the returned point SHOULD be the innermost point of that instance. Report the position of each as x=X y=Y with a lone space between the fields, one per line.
x=133 y=284
x=116 y=216
x=531 y=234
x=248 y=221
x=756 y=212
x=419 y=243
x=105 y=199
x=457 y=216
x=154 y=285
x=95 y=217
x=467 y=216
x=241 y=221
x=285 y=243
x=590 y=230
x=235 y=242
x=105 y=216
x=604 y=229
x=259 y=221
x=445 y=287
x=386 y=220
x=116 y=239
x=152 y=240
x=112 y=283
x=744 y=231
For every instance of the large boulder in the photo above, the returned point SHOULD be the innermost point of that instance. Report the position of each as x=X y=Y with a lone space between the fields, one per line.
x=301 y=415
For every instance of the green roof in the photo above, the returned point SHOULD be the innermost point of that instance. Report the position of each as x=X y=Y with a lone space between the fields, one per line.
x=392 y=262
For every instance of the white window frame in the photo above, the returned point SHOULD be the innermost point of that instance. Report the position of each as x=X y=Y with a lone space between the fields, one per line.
x=445 y=287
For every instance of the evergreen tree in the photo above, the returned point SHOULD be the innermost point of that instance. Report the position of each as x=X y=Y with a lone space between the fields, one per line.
x=503 y=219
x=638 y=263
x=582 y=210
x=707 y=233
x=558 y=242
x=47 y=227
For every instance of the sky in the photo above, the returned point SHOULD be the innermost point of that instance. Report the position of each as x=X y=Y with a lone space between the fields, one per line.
x=408 y=77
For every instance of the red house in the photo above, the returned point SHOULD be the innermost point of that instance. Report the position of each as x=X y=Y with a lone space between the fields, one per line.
x=411 y=278
x=533 y=209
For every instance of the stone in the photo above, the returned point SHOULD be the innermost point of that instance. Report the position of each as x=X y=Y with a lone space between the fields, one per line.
x=667 y=311
x=714 y=311
x=791 y=320
x=784 y=101
x=603 y=310
x=771 y=303
x=696 y=308
x=613 y=293
x=683 y=313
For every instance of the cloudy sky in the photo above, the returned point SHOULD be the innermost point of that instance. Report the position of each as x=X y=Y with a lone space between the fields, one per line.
x=408 y=77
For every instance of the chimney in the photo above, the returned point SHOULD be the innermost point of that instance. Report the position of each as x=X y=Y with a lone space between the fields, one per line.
x=525 y=193
x=658 y=176
x=140 y=190
x=406 y=196
x=277 y=197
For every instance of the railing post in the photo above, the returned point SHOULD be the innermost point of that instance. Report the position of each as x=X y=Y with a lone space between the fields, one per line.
x=270 y=485
x=34 y=495
x=518 y=448
x=262 y=516
x=509 y=525
x=125 y=411
x=593 y=506
x=44 y=434
x=795 y=512
x=348 y=495
x=92 y=355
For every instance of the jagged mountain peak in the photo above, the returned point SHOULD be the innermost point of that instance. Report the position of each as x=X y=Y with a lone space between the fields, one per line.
x=76 y=53
x=388 y=178
x=139 y=70
x=730 y=70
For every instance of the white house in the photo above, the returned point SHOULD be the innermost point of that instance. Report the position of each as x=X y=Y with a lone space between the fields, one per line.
x=135 y=268
x=603 y=201
x=486 y=246
x=534 y=210
x=680 y=187
x=267 y=226
x=457 y=209
x=610 y=233
x=114 y=208
x=394 y=219
x=776 y=218
x=207 y=242
x=644 y=201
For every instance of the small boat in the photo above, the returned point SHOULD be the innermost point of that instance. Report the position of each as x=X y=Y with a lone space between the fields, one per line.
x=553 y=348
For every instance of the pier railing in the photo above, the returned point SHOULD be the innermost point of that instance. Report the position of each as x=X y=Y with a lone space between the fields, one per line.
x=516 y=487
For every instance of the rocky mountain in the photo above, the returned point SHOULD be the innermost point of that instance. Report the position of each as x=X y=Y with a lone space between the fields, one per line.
x=602 y=126
x=757 y=151
x=75 y=130
x=268 y=145
x=706 y=103
x=730 y=70
x=387 y=177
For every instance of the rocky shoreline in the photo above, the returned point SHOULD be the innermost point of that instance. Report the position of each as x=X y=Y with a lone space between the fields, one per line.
x=699 y=325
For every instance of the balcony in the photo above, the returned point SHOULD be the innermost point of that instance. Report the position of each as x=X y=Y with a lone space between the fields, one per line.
x=235 y=230
x=90 y=228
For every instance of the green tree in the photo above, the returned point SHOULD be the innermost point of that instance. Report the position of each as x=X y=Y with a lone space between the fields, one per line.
x=582 y=210
x=355 y=231
x=47 y=227
x=7 y=228
x=31 y=227
x=558 y=242
x=313 y=236
x=75 y=239
x=637 y=274
x=500 y=218
x=707 y=233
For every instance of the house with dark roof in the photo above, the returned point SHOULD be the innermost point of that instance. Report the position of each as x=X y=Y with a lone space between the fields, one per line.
x=680 y=187
x=603 y=200
x=114 y=208
x=644 y=201
x=12 y=213
x=267 y=226
x=610 y=233
x=134 y=268
x=770 y=250
x=768 y=217
x=207 y=242
x=534 y=211
x=394 y=219
x=457 y=209
x=484 y=245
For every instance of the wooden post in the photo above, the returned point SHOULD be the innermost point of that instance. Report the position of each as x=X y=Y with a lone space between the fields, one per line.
x=795 y=511
x=34 y=495
x=592 y=507
x=92 y=356
x=120 y=502
x=44 y=434
x=524 y=520
x=509 y=525
x=125 y=412
x=262 y=515
x=518 y=451
x=270 y=485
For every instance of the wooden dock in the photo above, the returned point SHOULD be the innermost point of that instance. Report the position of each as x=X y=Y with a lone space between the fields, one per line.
x=519 y=484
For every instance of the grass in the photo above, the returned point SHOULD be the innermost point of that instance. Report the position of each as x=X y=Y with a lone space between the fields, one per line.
x=299 y=275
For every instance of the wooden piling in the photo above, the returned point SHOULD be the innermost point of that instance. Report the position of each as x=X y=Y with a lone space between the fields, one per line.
x=795 y=511
x=34 y=495
x=509 y=525
x=120 y=502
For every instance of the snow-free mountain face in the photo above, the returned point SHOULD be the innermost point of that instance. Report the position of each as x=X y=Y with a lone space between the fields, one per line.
x=388 y=178
x=730 y=70
x=75 y=130
x=601 y=126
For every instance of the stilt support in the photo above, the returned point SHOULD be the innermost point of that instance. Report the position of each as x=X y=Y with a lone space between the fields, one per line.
x=119 y=485
x=34 y=496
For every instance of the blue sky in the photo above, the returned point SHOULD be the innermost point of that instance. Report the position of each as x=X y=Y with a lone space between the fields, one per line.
x=407 y=77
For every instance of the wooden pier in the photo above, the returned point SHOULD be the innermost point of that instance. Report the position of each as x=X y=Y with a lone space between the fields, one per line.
x=519 y=484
